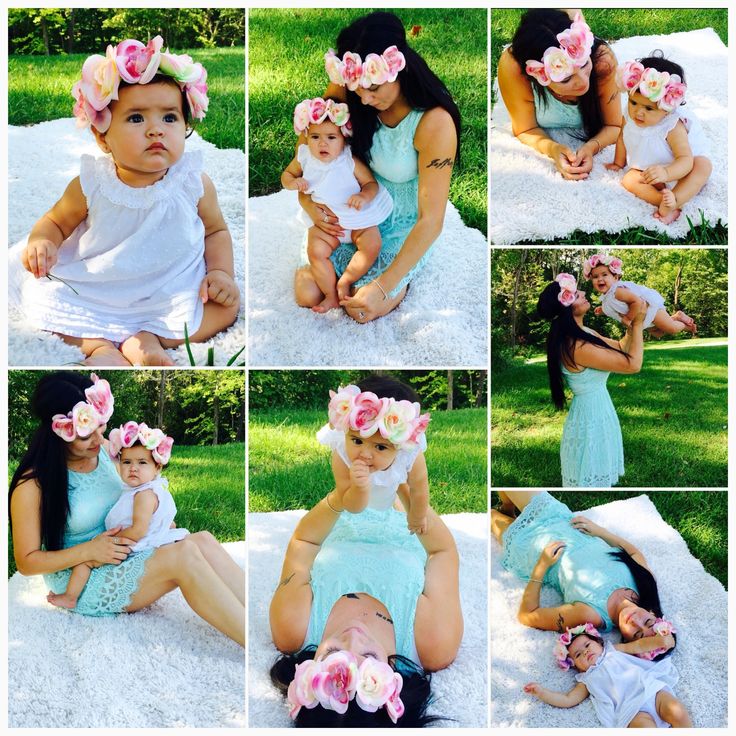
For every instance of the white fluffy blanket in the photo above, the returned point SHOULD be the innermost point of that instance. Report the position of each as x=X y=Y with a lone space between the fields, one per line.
x=531 y=201
x=42 y=160
x=691 y=598
x=161 y=667
x=460 y=691
x=442 y=320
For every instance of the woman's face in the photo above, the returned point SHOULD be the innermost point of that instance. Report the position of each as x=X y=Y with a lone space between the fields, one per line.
x=581 y=304
x=380 y=96
x=575 y=85
x=86 y=448
x=635 y=622
x=353 y=637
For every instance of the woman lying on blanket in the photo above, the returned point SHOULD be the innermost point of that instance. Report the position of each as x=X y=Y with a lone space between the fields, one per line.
x=406 y=126
x=63 y=489
x=557 y=74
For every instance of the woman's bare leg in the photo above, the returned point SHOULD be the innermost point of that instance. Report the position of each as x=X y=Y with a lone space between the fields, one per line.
x=500 y=522
x=98 y=351
x=520 y=498
x=671 y=710
x=225 y=566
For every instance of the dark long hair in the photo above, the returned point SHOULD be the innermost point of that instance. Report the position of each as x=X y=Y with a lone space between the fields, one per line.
x=387 y=386
x=416 y=696
x=538 y=31
x=564 y=332
x=46 y=456
x=422 y=88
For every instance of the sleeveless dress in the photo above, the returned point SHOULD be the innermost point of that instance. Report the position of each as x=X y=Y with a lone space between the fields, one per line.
x=615 y=308
x=136 y=262
x=384 y=483
x=585 y=572
x=394 y=163
x=553 y=113
x=591 y=451
x=110 y=587
x=371 y=552
x=159 y=530
x=333 y=183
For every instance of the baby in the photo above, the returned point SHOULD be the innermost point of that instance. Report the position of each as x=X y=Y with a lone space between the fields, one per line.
x=145 y=510
x=326 y=169
x=662 y=144
x=620 y=299
x=628 y=688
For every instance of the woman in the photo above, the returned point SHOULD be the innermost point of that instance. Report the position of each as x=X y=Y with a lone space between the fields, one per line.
x=607 y=587
x=591 y=452
x=59 y=497
x=546 y=83
x=359 y=585
x=408 y=131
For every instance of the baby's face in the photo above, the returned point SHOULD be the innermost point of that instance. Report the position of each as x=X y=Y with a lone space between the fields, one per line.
x=325 y=141
x=643 y=111
x=137 y=465
x=584 y=652
x=375 y=451
x=602 y=279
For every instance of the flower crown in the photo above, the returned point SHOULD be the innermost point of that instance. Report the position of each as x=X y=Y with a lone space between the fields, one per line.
x=352 y=72
x=613 y=264
x=561 y=653
x=151 y=438
x=135 y=63
x=86 y=416
x=667 y=90
x=335 y=680
x=316 y=111
x=362 y=411
x=560 y=62
x=663 y=627
x=568 y=288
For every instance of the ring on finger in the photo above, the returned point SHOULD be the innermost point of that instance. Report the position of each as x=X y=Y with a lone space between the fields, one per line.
x=324 y=217
x=361 y=315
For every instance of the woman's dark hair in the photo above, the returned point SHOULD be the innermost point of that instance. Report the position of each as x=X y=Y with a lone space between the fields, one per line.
x=386 y=386
x=166 y=79
x=416 y=696
x=422 y=88
x=564 y=332
x=46 y=457
x=538 y=31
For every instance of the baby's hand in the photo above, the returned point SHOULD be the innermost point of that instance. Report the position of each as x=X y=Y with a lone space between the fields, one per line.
x=356 y=201
x=598 y=310
x=301 y=184
x=360 y=476
x=613 y=166
x=654 y=175
x=533 y=688
x=219 y=287
x=39 y=257
x=417 y=524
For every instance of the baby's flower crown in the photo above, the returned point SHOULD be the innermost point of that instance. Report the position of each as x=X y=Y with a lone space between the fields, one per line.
x=663 y=627
x=86 y=416
x=135 y=63
x=399 y=422
x=352 y=72
x=316 y=111
x=666 y=89
x=561 y=653
x=335 y=680
x=568 y=288
x=613 y=264
x=560 y=62
x=151 y=438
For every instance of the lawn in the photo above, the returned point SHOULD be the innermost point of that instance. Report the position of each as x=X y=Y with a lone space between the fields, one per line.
x=286 y=65
x=673 y=418
x=39 y=89
x=289 y=469
x=208 y=486
x=611 y=24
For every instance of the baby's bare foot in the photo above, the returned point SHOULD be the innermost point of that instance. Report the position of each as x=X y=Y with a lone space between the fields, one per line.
x=62 y=600
x=667 y=211
x=329 y=302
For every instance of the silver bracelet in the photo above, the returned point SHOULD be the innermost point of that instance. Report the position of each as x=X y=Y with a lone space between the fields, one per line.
x=599 y=146
x=331 y=507
x=534 y=580
x=378 y=284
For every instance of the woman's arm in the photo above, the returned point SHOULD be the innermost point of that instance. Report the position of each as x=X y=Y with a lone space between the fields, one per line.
x=586 y=526
x=418 y=482
x=553 y=697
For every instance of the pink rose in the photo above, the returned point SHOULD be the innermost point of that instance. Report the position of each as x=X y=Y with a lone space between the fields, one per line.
x=136 y=63
x=616 y=266
x=63 y=426
x=375 y=71
x=129 y=433
x=566 y=298
x=567 y=282
x=375 y=684
x=351 y=70
x=339 y=114
x=628 y=76
x=340 y=406
x=335 y=684
x=301 y=688
x=674 y=94
x=317 y=111
x=181 y=67
x=537 y=70
x=395 y=62
x=115 y=443
x=577 y=41
x=332 y=67
x=420 y=426
x=653 y=84
x=162 y=453
x=196 y=93
x=150 y=437
x=86 y=114
x=100 y=396
x=301 y=116
x=398 y=422
x=100 y=79
x=86 y=420
x=368 y=410
x=394 y=706
x=557 y=64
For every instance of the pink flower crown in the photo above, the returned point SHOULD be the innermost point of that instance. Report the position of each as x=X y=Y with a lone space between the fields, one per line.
x=561 y=653
x=352 y=72
x=663 y=627
x=316 y=111
x=560 y=62
x=133 y=62
x=399 y=422
x=335 y=680
x=666 y=89
x=568 y=289
x=613 y=264
x=151 y=438
x=86 y=416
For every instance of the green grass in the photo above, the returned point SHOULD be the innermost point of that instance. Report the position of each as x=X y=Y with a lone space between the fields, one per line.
x=611 y=24
x=673 y=419
x=208 y=486
x=286 y=65
x=40 y=90
x=289 y=469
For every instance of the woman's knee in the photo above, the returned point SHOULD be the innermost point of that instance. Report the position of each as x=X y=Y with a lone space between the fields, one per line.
x=203 y=540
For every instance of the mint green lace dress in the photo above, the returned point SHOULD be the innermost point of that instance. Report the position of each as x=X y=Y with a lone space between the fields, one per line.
x=591 y=451
x=91 y=496
x=553 y=113
x=371 y=552
x=585 y=572
x=394 y=163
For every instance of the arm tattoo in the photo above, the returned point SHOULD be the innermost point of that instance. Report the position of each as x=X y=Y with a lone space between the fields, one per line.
x=287 y=580
x=385 y=618
x=560 y=624
x=351 y=595
x=436 y=163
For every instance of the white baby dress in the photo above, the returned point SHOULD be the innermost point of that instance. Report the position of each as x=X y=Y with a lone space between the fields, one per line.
x=615 y=308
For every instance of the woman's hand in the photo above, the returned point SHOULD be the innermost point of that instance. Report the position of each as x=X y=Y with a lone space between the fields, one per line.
x=322 y=216
x=551 y=553
x=586 y=526
x=108 y=549
x=567 y=163
x=640 y=312
x=584 y=158
x=366 y=300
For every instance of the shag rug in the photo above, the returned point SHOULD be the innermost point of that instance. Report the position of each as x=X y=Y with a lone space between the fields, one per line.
x=530 y=201
x=161 y=667
x=460 y=691
x=691 y=598
x=42 y=160
x=442 y=320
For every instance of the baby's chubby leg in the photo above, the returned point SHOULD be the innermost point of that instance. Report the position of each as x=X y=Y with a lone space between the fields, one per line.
x=633 y=183
x=97 y=350
x=74 y=587
x=368 y=243
x=672 y=325
x=642 y=720
x=670 y=709
x=320 y=246
x=145 y=348
x=690 y=185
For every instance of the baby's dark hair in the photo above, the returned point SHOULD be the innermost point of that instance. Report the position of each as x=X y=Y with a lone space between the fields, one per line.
x=138 y=443
x=657 y=61
x=389 y=387
x=165 y=79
